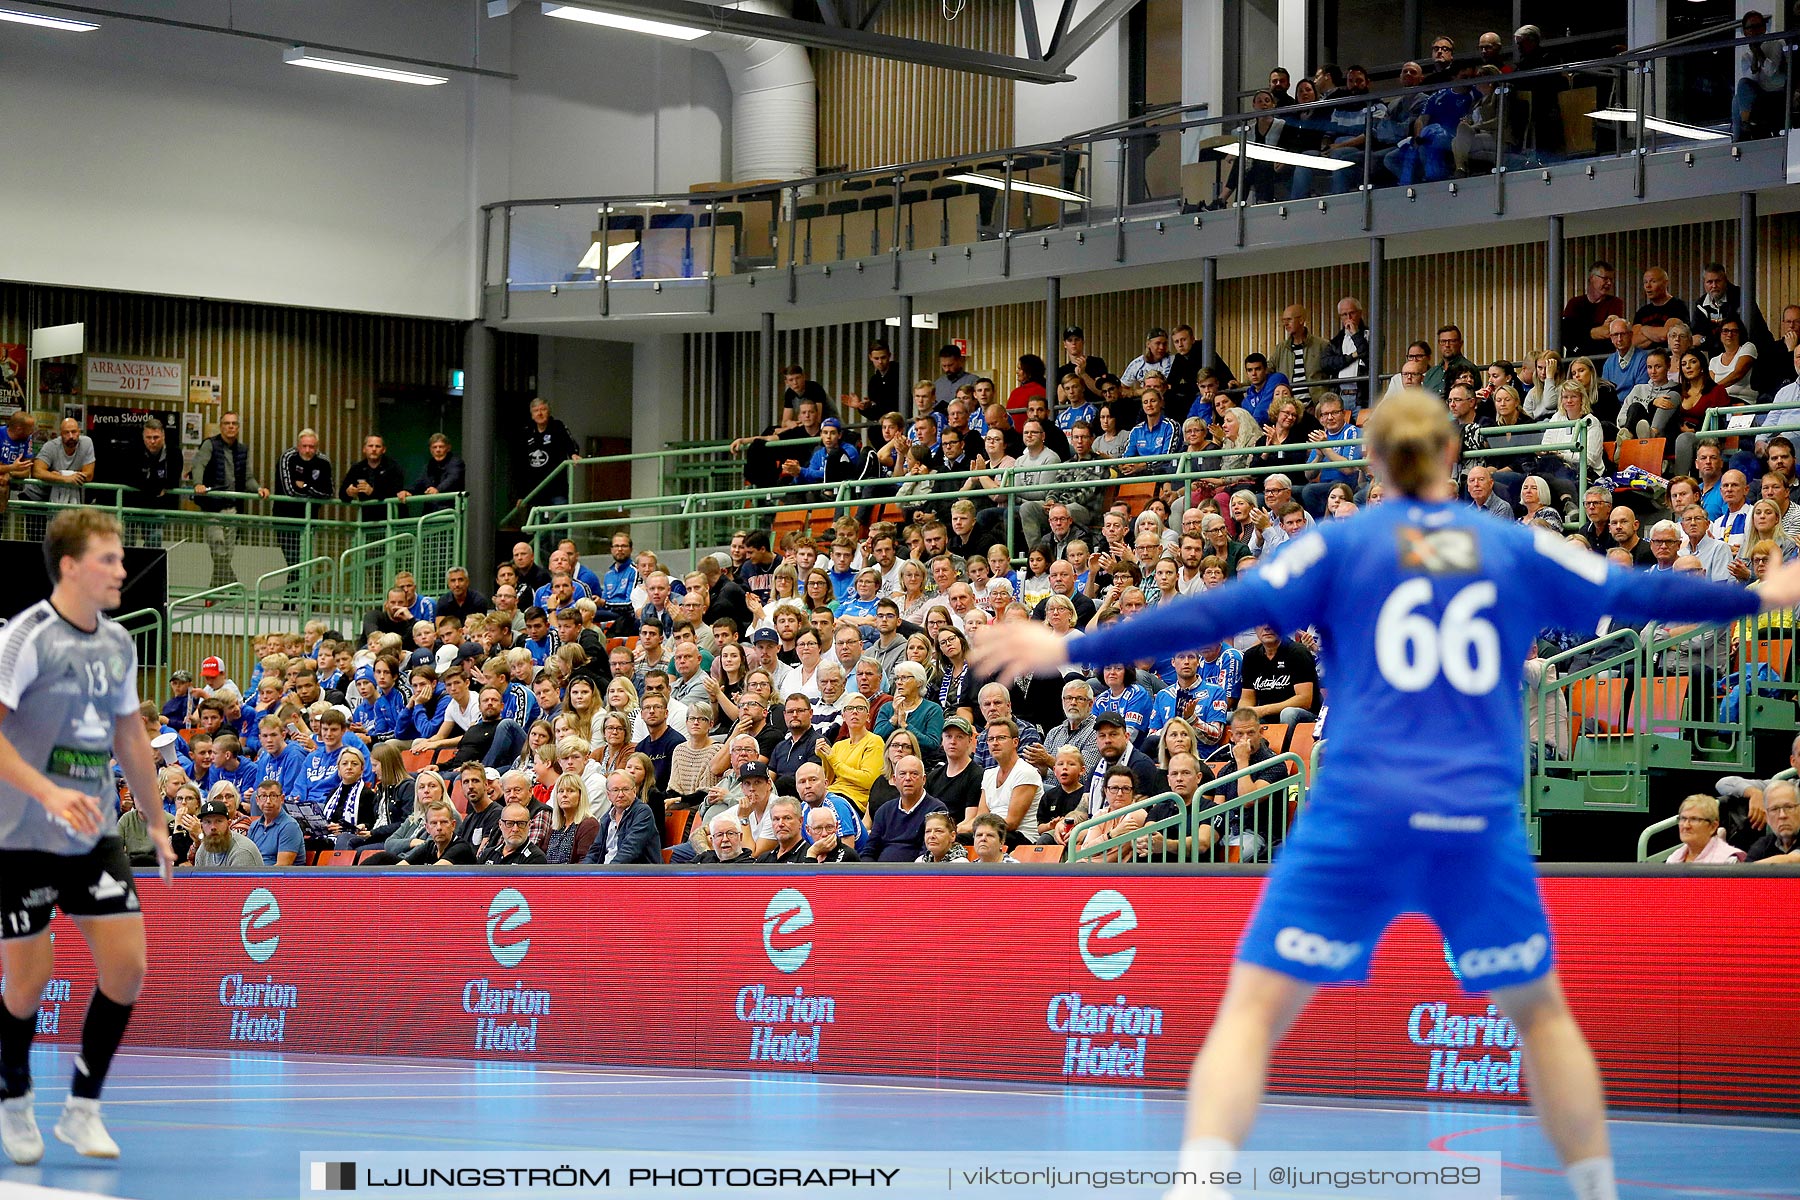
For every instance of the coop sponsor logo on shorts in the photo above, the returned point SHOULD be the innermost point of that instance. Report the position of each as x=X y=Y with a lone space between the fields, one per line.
x=1450 y=1036
x=1520 y=958
x=786 y=1026
x=506 y=1018
x=258 y=1008
x=1104 y=1040
x=1313 y=950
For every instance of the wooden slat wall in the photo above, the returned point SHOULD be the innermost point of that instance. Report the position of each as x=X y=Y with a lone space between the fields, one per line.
x=269 y=359
x=1495 y=295
x=873 y=111
x=835 y=355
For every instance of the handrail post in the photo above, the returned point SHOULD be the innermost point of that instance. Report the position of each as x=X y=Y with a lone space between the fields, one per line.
x=1368 y=169
x=1645 y=71
x=605 y=255
x=1243 y=166
x=1119 y=202
x=1006 y=196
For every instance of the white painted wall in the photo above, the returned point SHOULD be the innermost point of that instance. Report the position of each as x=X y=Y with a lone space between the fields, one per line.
x=163 y=160
x=1047 y=111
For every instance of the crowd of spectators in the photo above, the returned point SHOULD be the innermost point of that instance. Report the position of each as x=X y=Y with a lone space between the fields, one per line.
x=807 y=695
x=1430 y=132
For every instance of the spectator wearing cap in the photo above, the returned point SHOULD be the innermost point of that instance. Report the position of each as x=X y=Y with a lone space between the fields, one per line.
x=220 y=846
x=1156 y=357
x=1079 y=364
x=181 y=699
x=953 y=373
x=213 y=680
x=832 y=461
x=1114 y=739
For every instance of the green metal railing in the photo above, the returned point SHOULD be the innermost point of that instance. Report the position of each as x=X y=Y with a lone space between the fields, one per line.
x=705 y=511
x=1262 y=811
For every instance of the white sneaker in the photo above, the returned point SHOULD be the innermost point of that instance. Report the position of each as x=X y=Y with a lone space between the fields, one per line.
x=19 y=1130
x=81 y=1128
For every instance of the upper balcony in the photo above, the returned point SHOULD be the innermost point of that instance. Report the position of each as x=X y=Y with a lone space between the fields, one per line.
x=1619 y=142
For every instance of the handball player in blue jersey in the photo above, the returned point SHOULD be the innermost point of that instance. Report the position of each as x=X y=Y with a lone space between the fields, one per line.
x=1426 y=608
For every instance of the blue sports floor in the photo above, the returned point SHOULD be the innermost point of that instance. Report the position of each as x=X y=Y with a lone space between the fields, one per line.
x=231 y=1126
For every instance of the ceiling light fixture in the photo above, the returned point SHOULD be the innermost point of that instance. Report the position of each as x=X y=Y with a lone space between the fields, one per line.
x=1287 y=158
x=593 y=16
x=616 y=254
x=66 y=24
x=1626 y=116
x=300 y=56
x=1019 y=185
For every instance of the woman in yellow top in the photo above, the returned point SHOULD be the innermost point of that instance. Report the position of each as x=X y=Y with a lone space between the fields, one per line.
x=855 y=759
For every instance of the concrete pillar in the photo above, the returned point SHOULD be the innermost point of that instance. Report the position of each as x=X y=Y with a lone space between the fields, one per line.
x=766 y=368
x=480 y=397
x=656 y=373
x=1554 y=245
x=1377 y=314
x=1052 y=331
x=1746 y=255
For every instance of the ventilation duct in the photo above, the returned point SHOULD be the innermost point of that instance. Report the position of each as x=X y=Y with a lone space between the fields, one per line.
x=774 y=111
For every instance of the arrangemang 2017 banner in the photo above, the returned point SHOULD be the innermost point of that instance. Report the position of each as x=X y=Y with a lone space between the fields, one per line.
x=1682 y=983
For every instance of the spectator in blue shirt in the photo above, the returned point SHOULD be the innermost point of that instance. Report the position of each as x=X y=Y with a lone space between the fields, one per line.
x=1333 y=443
x=281 y=760
x=1073 y=404
x=1156 y=434
x=832 y=461
x=229 y=766
x=1131 y=701
x=621 y=577
x=1625 y=367
x=562 y=590
x=175 y=712
x=540 y=640
x=277 y=835
x=842 y=574
x=425 y=716
x=1259 y=387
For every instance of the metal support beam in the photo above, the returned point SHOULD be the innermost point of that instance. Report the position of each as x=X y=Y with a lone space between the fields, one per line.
x=1553 y=283
x=765 y=367
x=1746 y=256
x=1066 y=48
x=1377 y=317
x=1034 y=45
x=820 y=36
x=480 y=397
x=1052 y=330
x=1209 y=310
x=906 y=354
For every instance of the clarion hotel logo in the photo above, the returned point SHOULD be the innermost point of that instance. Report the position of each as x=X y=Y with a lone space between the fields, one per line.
x=1104 y=1040
x=258 y=1008
x=506 y=1018
x=785 y=1027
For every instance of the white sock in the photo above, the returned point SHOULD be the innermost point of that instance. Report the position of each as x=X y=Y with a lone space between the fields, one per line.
x=1204 y=1157
x=1592 y=1179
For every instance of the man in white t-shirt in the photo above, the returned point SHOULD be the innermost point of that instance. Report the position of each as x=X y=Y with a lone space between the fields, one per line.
x=1011 y=787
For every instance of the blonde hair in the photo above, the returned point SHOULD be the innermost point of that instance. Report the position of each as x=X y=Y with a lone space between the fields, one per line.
x=572 y=781
x=1410 y=434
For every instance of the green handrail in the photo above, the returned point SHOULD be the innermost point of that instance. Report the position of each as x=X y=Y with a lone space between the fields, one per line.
x=1294 y=785
x=1177 y=821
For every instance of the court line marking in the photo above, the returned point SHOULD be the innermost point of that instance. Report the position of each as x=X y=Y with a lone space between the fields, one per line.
x=1441 y=1145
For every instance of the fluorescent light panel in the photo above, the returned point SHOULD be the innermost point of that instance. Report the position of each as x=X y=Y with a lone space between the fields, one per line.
x=66 y=24
x=1625 y=116
x=1019 y=185
x=300 y=56
x=614 y=256
x=592 y=16
x=1287 y=158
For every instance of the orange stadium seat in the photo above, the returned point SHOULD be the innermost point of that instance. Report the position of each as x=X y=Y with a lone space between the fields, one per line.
x=1038 y=854
x=1136 y=496
x=675 y=823
x=1599 y=700
x=1641 y=452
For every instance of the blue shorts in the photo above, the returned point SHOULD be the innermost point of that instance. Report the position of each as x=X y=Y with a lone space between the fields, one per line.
x=1343 y=876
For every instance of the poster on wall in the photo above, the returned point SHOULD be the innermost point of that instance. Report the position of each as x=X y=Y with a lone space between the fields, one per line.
x=203 y=389
x=12 y=378
x=118 y=432
x=58 y=378
x=193 y=429
x=135 y=378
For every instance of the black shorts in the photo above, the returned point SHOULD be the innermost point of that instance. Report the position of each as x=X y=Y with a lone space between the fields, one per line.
x=33 y=884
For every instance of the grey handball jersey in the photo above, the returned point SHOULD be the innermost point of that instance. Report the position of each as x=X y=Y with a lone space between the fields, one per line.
x=62 y=688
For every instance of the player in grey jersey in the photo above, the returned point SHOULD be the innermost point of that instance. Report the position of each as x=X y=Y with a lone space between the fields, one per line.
x=66 y=680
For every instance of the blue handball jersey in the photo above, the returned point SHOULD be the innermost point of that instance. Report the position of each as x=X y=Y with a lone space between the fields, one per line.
x=1426 y=612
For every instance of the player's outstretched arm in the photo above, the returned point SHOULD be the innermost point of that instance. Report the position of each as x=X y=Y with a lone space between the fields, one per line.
x=1014 y=648
x=76 y=809
x=1782 y=587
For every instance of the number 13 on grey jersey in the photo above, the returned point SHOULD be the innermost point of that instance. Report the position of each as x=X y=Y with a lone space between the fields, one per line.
x=63 y=689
